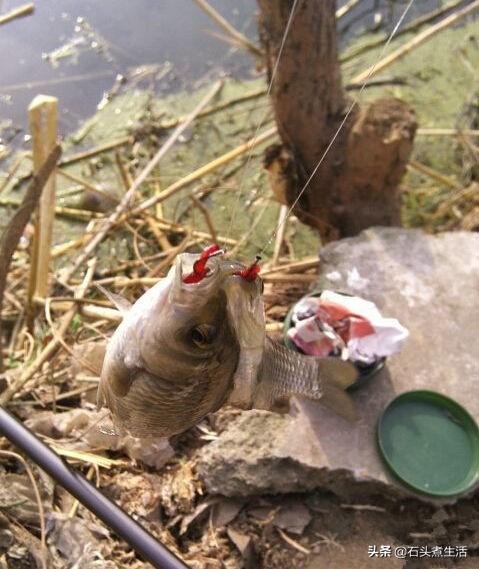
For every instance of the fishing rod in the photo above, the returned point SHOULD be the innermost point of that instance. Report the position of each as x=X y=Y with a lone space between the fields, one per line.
x=78 y=486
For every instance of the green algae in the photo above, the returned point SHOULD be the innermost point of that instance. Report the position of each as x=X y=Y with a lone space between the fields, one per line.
x=441 y=77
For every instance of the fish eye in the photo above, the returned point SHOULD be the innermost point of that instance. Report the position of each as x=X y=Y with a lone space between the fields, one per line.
x=203 y=335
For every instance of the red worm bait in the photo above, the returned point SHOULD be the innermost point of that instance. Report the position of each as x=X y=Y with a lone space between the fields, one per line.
x=200 y=270
x=250 y=273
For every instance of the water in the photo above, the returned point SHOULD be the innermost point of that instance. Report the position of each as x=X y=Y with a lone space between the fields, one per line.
x=168 y=33
x=118 y=36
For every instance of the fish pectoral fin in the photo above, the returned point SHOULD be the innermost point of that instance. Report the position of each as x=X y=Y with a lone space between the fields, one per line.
x=337 y=375
x=339 y=401
x=121 y=303
x=334 y=371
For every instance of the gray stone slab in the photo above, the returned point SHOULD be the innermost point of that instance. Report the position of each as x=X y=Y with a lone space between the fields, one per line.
x=431 y=284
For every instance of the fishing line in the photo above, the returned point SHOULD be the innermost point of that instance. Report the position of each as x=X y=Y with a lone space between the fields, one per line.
x=263 y=118
x=343 y=122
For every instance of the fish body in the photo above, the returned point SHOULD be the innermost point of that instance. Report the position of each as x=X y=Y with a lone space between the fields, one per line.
x=195 y=341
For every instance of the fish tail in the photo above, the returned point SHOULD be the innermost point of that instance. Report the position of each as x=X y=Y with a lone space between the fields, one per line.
x=335 y=376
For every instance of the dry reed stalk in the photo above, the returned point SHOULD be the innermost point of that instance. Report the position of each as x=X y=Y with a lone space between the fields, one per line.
x=446 y=132
x=13 y=170
x=206 y=169
x=237 y=36
x=127 y=182
x=415 y=42
x=206 y=214
x=130 y=194
x=17 y=224
x=62 y=248
x=289 y=278
x=87 y=185
x=124 y=173
x=414 y=25
x=341 y=12
x=42 y=114
x=304 y=264
x=171 y=257
x=437 y=176
x=20 y=12
x=174 y=188
x=220 y=107
x=177 y=228
x=280 y=233
x=457 y=196
x=161 y=238
x=80 y=156
x=50 y=349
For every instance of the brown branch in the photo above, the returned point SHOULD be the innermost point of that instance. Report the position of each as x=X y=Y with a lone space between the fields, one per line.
x=16 y=227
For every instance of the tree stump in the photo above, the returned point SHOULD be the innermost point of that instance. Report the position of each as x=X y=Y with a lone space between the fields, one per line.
x=358 y=182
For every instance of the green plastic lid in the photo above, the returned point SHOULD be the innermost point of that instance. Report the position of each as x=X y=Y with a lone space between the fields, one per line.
x=430 y=443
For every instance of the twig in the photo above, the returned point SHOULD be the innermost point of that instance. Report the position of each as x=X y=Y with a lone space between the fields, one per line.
x=20 y=12
x=206 y=169
x=71 y=212
x=414 y=25
x=280 y=233
x=341 y=12
x=293 y=543
x=238 y=37
x=446 y=132
x=171 y=257
x=124 y=174
x=415 y=165
x=76 y=503
x=50 y=349
x=309 y=263
x=415 y=42
x=16 y=165
x=87 y=185
x=220 y=107
x=16 y=227
x=38 y=498
x=207 y=217
x=456 y=197
x=80 y=156
x=289 y=278
x=128 y=197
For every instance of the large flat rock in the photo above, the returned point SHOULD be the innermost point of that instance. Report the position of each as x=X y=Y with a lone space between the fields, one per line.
x=431 y=284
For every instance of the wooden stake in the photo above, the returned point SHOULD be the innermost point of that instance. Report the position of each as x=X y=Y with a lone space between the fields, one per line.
x=415 y=42
x=42 y=114
x=13 y=232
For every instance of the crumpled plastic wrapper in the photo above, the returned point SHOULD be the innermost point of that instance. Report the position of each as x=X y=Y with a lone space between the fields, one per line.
x=351 y=327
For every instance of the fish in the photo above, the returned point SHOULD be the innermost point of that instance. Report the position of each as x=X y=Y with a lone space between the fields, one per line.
x=196 y=341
